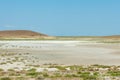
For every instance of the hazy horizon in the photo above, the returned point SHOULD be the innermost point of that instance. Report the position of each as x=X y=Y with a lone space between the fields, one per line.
x=62 y=17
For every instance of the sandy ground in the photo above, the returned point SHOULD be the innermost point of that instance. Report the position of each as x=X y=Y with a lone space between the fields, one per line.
x=65 y=52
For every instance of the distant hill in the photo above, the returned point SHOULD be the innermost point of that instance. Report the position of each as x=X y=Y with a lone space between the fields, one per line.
x=112 y=36
x=21 y=34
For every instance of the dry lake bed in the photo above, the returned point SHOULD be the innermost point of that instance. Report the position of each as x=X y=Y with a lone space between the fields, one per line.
x=64 y=52
x=59 y=60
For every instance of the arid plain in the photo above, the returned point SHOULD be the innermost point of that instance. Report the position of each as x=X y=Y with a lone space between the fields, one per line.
x=35 y=56
x=66 y=52
x=59 y=60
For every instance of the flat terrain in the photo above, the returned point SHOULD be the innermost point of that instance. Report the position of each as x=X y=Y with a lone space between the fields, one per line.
x=59 y=60
x=65 y=52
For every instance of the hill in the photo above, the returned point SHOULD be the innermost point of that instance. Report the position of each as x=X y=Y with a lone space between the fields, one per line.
x=112 y=36
x=21 y=34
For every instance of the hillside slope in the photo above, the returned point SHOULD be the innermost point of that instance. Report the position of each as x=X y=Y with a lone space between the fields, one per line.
x=19 y=34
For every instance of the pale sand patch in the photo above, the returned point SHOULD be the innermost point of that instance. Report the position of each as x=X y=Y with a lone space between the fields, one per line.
x=66 y=52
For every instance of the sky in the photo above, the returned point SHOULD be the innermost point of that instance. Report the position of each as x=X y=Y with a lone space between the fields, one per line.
x=62 y=17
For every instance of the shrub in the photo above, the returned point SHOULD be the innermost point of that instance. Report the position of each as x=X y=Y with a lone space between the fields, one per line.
x=5 y=78
x=32 y=74
x=11 y=70
x=40 y=78
x=114 y=73
x=32 y=70
x=1 y=70
x=60 y=67
x=45 y=75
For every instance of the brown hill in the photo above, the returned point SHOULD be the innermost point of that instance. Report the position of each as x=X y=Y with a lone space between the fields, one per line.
x=113 y=36
x=19 y=34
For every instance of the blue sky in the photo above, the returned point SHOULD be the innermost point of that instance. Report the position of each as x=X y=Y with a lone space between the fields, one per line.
x=62 y=17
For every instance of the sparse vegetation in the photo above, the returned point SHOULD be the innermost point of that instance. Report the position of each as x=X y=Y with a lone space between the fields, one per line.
x=5 y=78
x=24 y=66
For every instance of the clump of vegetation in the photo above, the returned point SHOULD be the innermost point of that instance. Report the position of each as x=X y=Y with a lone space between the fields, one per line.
x=101 y=66
x=57 y=75
x=40 y=78
x=87 y=76
x=114 y=73
x=3 y=63
x=58 y=67
x=32 y=72
x=5 y=78
x=45 y=74
x=1 y=70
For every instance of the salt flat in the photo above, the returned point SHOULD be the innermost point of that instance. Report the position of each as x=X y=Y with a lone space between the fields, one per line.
x=65 y=52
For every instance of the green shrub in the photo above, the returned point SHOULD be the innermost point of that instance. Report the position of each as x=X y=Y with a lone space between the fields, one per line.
x=1 y=70
x=45 y=75
x=58 y=67
x=33 y=74
x=32 y=70
x=114 y=73
x=40 y=78
x=5 y=78
x=11 y=70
